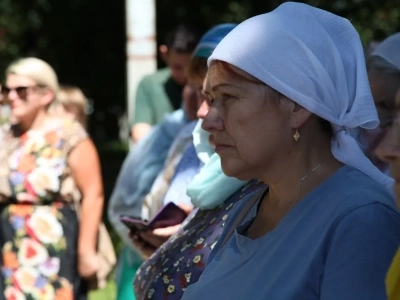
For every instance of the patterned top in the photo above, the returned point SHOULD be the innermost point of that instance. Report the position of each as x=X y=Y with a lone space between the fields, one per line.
x=38 y=233
x=37 y=170
x=180 y=261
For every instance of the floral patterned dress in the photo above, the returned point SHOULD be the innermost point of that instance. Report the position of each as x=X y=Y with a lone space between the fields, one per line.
x=39 y=225
x=180 y=261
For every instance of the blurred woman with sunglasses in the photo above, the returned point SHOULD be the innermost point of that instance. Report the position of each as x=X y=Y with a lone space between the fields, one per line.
x=46 y=164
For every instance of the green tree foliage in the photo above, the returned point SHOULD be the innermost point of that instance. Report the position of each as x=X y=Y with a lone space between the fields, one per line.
x=373 y=19
x=19 y=22
x=84 y=40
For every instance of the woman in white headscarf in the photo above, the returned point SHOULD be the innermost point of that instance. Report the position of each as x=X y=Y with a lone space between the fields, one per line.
x=384 y=77
x=384 y=70
x=288 y=93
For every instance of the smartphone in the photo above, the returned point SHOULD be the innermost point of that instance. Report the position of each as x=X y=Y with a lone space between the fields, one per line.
x=169 y=215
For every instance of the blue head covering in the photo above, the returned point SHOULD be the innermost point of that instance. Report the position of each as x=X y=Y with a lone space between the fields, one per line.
x=211 y=38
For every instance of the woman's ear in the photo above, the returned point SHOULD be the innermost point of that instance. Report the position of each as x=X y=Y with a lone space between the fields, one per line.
x=298 y=115
x=163 y=52
x=48 y=97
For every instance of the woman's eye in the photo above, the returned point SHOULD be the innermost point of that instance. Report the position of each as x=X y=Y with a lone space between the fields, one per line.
x=226 y=96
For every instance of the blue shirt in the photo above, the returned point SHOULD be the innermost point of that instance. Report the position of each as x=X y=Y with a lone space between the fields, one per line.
x=335 y=244
x=187 y=168
x=180 y=261
x=139 y=170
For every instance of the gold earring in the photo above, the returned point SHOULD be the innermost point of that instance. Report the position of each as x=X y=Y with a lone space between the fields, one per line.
x=296 y=135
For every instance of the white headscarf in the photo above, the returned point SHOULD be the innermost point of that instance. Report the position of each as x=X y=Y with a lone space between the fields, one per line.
x=389 y=50
x=316 y=59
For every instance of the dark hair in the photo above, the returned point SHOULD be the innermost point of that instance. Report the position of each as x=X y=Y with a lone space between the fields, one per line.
x=197 y=67
x=326 y=126
x=182 y=39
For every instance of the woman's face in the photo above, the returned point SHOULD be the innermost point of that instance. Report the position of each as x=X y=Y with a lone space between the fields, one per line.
x=250 y=129
x=189 y=96
x=384 y=89
x=389 y=148
x=178 y=62
x=25 y=96
x=203 y=105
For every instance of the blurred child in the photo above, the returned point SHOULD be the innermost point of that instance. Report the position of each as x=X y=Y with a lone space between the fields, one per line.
x=71 y=103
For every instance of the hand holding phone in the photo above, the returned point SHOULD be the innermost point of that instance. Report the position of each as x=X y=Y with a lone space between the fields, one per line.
x=145 y=248
x=169 y=215
x=158 y=236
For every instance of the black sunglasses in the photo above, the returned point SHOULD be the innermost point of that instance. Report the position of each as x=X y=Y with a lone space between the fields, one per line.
x=20 y=90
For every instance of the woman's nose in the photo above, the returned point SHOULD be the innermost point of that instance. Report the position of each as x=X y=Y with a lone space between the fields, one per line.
x=389 y=148
x=12 y=95
x=203 y=109
x=212 y=121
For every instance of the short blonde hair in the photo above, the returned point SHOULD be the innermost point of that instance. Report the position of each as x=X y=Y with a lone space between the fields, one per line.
x=73 y=100
x=36 y=69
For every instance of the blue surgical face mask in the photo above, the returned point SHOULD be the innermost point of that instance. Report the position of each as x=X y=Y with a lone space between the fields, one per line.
x=201 y=143
x=211 y=187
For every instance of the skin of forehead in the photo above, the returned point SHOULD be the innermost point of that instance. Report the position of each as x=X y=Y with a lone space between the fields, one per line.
x=216 y=78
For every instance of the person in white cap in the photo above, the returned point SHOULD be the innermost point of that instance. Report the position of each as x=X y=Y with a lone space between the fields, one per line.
x=288 y=94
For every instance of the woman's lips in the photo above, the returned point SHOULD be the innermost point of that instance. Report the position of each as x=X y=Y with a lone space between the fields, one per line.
x=221 y=147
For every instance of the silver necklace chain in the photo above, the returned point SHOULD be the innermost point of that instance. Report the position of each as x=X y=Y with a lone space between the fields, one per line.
x=298 y=189
x=304 y=178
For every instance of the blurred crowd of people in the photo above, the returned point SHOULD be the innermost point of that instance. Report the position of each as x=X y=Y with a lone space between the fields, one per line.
x=277 y=139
